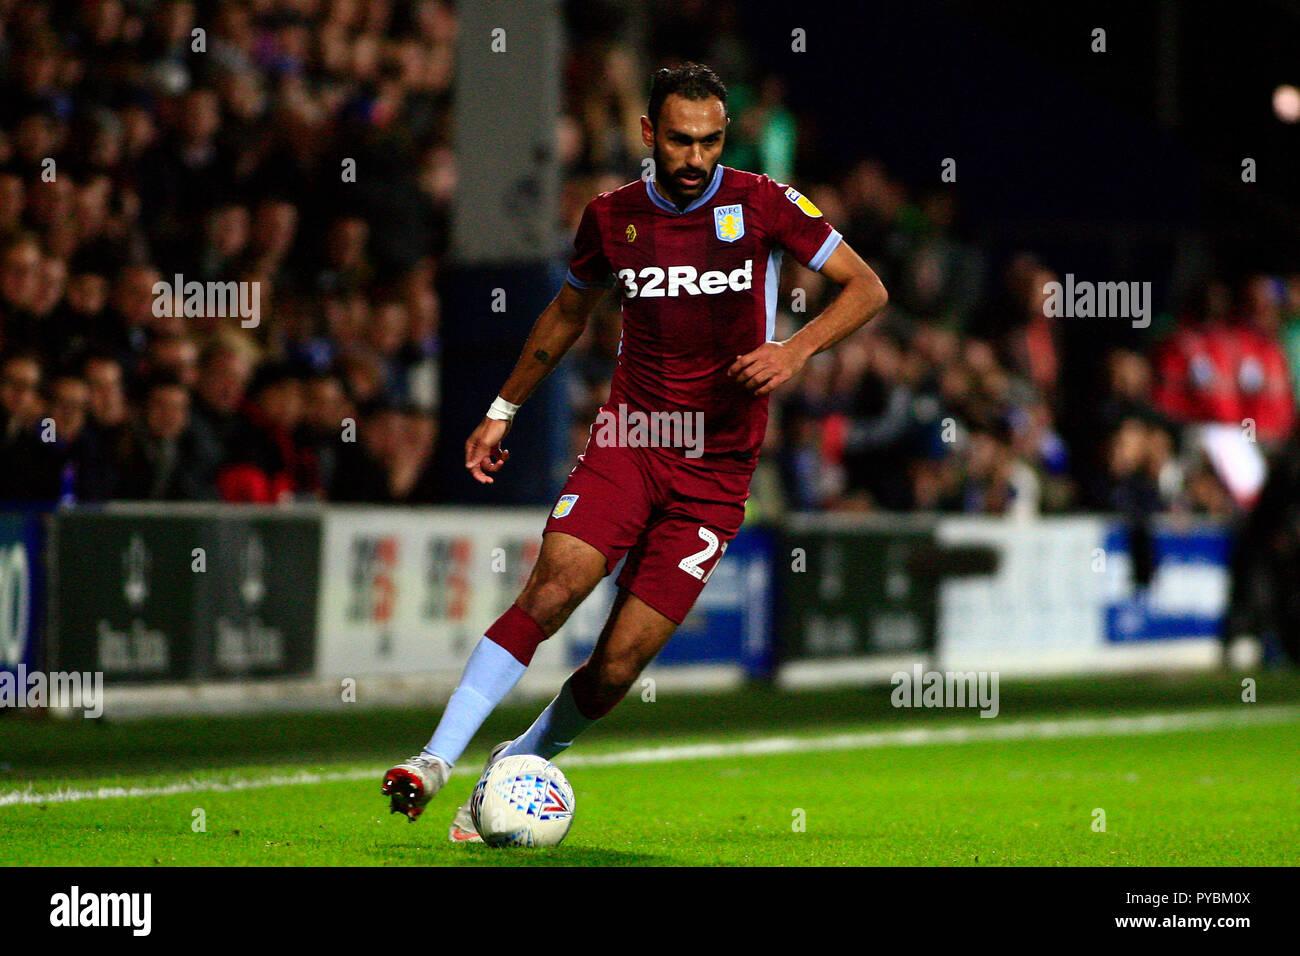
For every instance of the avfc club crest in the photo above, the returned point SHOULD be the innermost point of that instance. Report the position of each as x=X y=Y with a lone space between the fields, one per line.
x=729 y=222
x=564 y=505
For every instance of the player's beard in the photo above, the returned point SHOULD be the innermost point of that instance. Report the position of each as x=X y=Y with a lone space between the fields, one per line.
x=679 y=192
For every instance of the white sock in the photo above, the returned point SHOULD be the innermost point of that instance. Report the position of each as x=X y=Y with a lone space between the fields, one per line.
x=489 y=675
x=554 y=730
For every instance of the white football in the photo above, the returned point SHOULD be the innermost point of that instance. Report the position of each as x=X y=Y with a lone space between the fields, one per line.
x=522 y=801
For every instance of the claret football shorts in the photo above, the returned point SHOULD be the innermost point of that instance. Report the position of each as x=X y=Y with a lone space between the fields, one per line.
x=672 y=516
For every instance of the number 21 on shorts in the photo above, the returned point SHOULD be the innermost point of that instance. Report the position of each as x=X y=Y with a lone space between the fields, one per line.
x=692 y=564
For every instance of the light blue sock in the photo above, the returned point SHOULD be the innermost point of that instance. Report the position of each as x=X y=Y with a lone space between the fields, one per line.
x=553 y=731
x=489 y=675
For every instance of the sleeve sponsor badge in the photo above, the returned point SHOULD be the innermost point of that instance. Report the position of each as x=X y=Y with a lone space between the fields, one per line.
x=803 y=202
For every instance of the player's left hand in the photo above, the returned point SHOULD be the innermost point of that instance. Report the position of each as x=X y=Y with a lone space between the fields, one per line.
x=767 y=367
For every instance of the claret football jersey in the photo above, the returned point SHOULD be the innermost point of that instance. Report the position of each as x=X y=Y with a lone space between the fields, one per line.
x=699 y=288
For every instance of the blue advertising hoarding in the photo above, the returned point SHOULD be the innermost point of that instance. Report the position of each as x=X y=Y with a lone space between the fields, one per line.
x=1188 y=593
x=22 y=589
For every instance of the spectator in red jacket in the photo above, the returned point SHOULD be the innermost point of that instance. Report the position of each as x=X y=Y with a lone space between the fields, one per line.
x=265 y=463
x=1197 y=367
x=1264 y=376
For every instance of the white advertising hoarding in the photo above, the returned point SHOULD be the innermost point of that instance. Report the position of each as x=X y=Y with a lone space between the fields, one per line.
x=1062 y=588
x=407 y=592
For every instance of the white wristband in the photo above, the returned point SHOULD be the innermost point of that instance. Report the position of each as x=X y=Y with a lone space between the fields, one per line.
x=501 y=410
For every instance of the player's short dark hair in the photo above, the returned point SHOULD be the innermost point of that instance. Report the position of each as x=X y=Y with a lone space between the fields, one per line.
x=691 y=80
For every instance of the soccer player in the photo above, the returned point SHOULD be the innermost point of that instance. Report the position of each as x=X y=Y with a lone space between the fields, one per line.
x=695 y=252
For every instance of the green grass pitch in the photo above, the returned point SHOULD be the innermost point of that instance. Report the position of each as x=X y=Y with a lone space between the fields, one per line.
x=1222 y=793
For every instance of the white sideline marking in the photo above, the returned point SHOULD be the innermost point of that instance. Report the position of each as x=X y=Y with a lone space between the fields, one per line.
x=977 y=733
x=918 y=737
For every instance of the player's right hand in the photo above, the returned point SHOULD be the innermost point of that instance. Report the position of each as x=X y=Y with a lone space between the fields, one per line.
x=483 y=451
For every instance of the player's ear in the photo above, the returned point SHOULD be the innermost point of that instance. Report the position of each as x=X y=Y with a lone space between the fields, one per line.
x=647 y=132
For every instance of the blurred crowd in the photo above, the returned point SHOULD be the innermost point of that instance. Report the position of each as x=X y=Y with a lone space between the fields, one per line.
x=145 y=140
x=133 y=149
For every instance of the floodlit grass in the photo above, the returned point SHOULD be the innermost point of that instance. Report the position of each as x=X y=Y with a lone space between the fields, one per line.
x=1211 y=796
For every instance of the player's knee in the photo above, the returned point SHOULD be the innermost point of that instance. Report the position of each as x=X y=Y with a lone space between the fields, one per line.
x=550 y=599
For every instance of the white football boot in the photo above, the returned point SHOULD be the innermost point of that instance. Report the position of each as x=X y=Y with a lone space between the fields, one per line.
x=462 y=824
x=413 y=784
